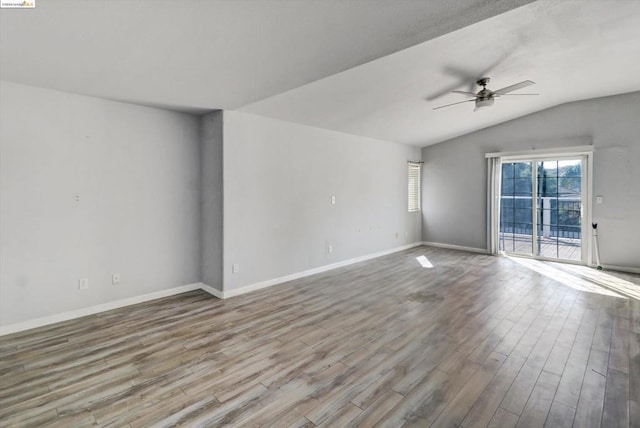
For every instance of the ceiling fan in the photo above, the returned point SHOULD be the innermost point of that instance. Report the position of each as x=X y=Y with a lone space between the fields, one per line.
x=485 y=97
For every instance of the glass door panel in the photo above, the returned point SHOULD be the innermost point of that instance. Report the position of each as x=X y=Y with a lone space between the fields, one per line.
x=516 y=197
x=558 y=209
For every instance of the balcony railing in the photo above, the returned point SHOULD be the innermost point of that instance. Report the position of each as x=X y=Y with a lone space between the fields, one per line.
x=557 y=218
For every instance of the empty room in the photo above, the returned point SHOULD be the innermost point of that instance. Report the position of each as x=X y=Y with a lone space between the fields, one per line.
x=301 y=213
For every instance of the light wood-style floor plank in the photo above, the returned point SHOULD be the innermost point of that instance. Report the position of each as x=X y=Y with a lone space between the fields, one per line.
x=476 y=341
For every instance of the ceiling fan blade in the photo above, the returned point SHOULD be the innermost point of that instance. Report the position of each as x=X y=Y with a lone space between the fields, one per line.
x=510 y=95
x=515 y=87
x=443 y=92
x=471 y=94
x=447 y=105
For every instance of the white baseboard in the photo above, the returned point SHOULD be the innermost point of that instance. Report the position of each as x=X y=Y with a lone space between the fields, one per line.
x=65 y=316
x=286 y=278
x=456 y=247
x=213 y=291
x=621 y=268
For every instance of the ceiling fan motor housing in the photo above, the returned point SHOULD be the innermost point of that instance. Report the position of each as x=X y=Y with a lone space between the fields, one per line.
x=485 y=96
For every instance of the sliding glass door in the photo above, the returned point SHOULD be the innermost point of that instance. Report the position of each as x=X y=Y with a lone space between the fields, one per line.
x=541 y=208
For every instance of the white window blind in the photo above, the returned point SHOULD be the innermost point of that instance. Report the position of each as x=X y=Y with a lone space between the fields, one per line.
x=413 y=174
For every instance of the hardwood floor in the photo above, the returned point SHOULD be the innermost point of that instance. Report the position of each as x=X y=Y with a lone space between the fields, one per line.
x=475 y=341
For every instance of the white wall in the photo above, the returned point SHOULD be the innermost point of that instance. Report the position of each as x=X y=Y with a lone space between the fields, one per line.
x=136 y=172
x=279 y=178
x=211 y=168
x=454 y=174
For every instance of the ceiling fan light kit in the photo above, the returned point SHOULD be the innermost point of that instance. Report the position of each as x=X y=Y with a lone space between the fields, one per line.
x=484 y=102
x=486 y=97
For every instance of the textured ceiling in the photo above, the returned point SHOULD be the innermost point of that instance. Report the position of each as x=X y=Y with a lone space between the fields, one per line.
x=573 y=50
x=215 y=54
x=367 y=67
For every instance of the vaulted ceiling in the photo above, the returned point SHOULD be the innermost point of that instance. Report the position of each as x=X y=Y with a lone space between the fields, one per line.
x=375 y=68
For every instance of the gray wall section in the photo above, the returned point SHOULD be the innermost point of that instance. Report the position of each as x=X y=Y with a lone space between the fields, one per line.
x=136 y=172
x=279 y=178
x=151 y=185
x=211 y=167
x=454 y=174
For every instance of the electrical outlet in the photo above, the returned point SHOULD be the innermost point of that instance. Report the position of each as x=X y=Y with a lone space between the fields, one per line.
x=235 y=268
x=333 y=200
x=330 y=249
x=115 y=278
x=83 y=283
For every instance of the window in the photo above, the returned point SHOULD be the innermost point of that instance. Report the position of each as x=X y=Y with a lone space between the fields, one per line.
x=413 y=174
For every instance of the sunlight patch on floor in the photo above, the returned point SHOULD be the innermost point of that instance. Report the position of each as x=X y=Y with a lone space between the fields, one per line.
x=582 y=278
x=424 y=262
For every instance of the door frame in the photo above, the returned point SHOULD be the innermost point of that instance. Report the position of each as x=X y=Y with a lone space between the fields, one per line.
x=493 y=195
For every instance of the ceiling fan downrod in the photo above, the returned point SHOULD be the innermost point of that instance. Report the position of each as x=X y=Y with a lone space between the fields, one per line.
x=483 y=82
